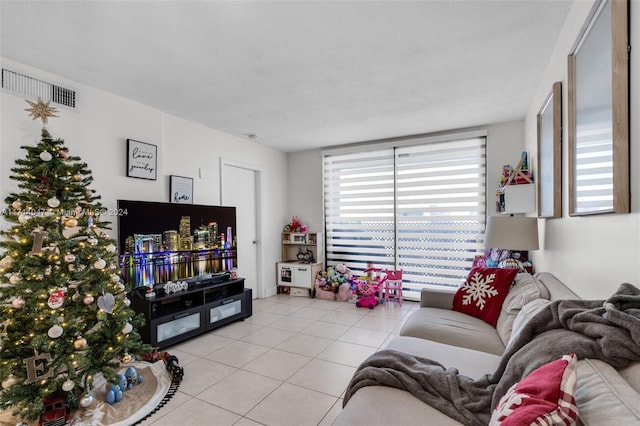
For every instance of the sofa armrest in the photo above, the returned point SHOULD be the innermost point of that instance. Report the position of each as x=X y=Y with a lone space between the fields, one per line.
x=432 y=298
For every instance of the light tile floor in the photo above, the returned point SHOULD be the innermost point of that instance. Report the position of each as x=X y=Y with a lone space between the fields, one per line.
x=287 y=365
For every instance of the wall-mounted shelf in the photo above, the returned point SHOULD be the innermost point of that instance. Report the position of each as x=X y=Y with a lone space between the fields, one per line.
x=517 y=192
x=517 y=199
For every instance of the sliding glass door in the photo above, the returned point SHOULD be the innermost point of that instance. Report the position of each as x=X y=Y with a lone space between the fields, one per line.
x=418 y=206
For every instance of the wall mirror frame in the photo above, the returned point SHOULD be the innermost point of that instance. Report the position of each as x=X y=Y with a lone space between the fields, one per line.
x=550 y=154
x=598 y=112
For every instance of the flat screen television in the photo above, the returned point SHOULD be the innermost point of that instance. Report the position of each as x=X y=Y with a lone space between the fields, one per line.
x=162 y=242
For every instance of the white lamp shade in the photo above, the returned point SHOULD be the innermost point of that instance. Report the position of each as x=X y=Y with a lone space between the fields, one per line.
x=511 y=233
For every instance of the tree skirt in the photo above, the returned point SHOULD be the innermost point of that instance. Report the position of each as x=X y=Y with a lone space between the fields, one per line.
x=137 y=403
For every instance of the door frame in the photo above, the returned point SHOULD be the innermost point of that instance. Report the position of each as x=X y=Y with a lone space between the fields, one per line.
x=258 y=202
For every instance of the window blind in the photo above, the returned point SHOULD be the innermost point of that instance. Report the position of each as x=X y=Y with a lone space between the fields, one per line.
x=594 y=168
x=420 y=208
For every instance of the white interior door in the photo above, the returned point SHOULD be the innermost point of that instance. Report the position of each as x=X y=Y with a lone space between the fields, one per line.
x=239 y=189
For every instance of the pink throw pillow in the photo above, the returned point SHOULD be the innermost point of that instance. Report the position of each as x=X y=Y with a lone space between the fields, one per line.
x=544 y=397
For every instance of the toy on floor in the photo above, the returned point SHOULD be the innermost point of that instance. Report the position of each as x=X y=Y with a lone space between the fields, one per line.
x=172 y=365
x=126 y=381
x=367 y=291
x=391 y=286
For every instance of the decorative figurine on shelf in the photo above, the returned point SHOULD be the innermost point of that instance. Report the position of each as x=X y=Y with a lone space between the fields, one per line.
x=150 y=293
x=506 y=172
x=524 y=160
x=295 y=226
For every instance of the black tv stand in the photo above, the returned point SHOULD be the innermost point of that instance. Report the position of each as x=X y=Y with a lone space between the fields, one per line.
x=175 y=317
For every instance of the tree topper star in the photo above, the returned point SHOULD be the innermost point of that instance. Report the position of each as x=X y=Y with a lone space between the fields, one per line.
x=41 y=110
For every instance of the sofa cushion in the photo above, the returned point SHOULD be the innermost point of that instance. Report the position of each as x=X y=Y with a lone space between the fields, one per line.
x=604 y=397
x=483 y=292
x=384 y=406
x=453 y=328
x=631 y=374
x=556 y=288
x=527 y=312
x=436 y=298
x=447 y=355
x=525 y=289
x=544 y=397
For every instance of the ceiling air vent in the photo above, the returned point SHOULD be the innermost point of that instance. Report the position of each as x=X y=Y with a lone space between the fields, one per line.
x=29 y=86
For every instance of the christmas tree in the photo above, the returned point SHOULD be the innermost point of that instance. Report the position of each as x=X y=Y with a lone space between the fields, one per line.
x=64 y=314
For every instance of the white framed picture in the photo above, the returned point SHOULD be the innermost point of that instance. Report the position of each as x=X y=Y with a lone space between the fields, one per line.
x=181 y=189
x=142 y=160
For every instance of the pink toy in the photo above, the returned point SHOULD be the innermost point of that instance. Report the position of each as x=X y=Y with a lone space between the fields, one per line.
x=367 y=292
x=343 y=292
x=295 y=224
x=392 y=286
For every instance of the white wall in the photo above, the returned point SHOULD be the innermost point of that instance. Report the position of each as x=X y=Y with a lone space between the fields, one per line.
x=97 y=133
x=592 y=254
x=305 y=188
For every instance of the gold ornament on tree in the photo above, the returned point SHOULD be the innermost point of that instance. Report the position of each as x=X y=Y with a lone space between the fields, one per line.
x=41 y=110
x=80 y=343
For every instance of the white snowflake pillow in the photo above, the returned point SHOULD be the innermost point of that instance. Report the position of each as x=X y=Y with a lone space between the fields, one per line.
x=483 y=293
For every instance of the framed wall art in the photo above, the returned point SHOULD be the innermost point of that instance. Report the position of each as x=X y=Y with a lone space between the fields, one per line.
x=598 y=116
x=550 y=154
x=181 y=189
x=142 y=160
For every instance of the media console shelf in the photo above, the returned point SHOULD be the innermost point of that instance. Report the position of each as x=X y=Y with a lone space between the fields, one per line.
x=175 y=317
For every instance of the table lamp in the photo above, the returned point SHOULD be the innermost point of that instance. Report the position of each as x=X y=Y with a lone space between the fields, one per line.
x=512 y=233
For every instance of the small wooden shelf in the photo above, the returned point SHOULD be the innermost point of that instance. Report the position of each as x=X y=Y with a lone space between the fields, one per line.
x=302 y=259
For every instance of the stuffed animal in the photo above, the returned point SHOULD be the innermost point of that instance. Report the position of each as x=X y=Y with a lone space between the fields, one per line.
x=295 y=224
x=342 y=268
x=494 y=256
x=333 y=278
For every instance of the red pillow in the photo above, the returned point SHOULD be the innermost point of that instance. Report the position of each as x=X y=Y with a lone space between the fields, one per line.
x=483 y=293
x=544 y=397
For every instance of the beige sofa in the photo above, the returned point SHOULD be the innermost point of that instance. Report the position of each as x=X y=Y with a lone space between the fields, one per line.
x=604 y=395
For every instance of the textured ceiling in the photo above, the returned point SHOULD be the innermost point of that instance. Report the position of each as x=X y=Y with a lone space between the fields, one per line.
x=299 y=74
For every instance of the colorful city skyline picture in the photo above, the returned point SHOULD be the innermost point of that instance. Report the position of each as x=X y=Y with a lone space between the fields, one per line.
x=161 y=242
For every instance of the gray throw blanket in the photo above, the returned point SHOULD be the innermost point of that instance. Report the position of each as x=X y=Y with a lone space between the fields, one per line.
x=606 y=330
